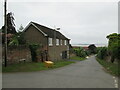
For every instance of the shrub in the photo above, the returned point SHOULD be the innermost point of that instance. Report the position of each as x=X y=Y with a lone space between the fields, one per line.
x=80 y=52
x=92 y=49
x=33 y=49
x=114 y=46
x=102 y=53
x=88 y=52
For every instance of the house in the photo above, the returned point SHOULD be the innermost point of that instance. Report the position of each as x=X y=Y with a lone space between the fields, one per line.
x=85 y=47
x=55 y=44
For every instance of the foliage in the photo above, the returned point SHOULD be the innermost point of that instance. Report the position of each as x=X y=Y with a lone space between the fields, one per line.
x=10 y=27
x=114 y=46
x=33 y=49
x=112 y=68
x=80 y=52
x=21 y=28
x=14 y=41
x=88 y=52
x=102 y=53
x=17 y=39
x=92 y=49
x=10 y=24
x=98 y=49
x=20 y=37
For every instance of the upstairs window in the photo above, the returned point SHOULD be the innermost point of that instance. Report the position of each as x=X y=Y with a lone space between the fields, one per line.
x=50 y=41
x=61 y=42
x=57 y=41
x=65 y=42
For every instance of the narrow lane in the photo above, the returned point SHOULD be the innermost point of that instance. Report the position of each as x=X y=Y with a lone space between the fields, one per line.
x=83 y=74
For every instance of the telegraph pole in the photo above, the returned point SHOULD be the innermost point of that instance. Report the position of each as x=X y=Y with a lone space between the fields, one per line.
x=5 y=24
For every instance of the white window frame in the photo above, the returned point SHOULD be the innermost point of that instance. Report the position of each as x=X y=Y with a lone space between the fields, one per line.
x=65 y=42
x=61 y=42
x=50 y=41
x=57 y=42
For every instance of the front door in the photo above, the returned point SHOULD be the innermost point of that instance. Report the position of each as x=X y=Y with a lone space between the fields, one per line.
x=64 y=54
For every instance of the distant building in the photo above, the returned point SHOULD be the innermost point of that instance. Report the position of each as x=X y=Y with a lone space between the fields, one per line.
x=54 y=43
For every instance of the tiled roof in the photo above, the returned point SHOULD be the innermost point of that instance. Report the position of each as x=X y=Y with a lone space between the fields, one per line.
x=50 y=32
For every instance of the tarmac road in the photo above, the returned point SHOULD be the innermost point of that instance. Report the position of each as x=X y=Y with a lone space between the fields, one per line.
x=83 y=74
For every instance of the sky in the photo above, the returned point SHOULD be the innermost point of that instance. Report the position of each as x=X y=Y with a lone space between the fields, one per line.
x=85 y=22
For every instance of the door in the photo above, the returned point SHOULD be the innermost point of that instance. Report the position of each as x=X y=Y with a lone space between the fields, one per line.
x=64 y=54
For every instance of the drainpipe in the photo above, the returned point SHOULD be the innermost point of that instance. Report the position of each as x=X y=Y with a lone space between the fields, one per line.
x=47 y=49
x=69 y=48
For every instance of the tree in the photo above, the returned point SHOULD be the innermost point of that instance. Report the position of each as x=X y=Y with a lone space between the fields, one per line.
x=114 y=46
x=14 y=41
x=10 y=23
x=18 y=38
x=92 y=49
x=21 y=28
x=80 y=52
x=102 y=53
x=10 y=28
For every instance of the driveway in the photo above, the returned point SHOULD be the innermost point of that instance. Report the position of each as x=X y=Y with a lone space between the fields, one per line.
x=82 y=74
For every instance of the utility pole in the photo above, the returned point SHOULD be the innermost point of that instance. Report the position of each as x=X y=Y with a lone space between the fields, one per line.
x=5 y=24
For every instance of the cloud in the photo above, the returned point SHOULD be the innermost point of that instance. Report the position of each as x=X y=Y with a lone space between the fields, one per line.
x=82 y=22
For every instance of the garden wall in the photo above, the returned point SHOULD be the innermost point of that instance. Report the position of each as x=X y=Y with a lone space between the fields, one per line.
x=16 y=54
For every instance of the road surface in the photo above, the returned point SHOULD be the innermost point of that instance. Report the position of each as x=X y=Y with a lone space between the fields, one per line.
x=82 y=74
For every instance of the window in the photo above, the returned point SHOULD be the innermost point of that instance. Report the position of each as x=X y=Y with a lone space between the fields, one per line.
x=65 y=42
x=57 y=41
x=50 y=41
x=61 y=42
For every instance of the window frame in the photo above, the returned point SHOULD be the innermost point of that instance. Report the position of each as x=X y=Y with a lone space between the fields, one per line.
x=50 y=41
x=65 y=42
x=57 y=42
x=61 y=42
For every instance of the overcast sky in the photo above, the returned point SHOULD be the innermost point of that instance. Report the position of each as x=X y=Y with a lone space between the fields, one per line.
x=82 y=22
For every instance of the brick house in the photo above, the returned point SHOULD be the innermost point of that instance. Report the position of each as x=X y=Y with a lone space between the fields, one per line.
x=54 y=43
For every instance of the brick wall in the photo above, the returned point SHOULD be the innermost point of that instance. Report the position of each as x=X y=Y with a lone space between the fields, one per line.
x=16 y=53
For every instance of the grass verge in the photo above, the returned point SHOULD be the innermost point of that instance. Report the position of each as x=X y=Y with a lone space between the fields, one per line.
x=33 y=66
x=77 y=58
x=112 y=68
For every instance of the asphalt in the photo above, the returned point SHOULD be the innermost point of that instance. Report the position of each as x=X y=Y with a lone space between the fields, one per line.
x=83 y=74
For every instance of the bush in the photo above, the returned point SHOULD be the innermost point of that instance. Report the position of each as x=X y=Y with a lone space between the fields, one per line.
x=98 y=49
x=80 y=52
x=114 y=46
x=92 y=49
x=88 y=52
x=102 y=53
x=33 y=49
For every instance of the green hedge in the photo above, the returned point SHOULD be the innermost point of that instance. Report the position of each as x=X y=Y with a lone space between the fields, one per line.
x=102 y=53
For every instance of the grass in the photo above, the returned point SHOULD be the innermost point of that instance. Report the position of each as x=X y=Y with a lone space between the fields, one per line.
x=33 y=66
x=112 y=68
x=77 y=58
